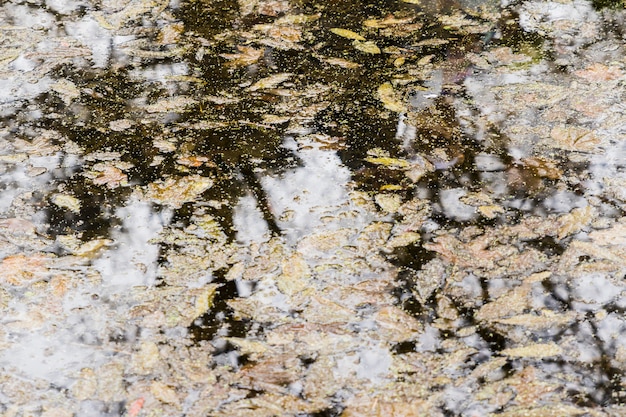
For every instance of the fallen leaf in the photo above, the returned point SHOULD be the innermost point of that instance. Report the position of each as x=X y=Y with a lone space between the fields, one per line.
x=389 y=20
x=176 y=104
x=67 y=201
x=246 y=56
x=23 y=269
x=369 y=47
x=112 y=177
x=176 y=192
x=490 y=211
x=164 y=393
x=599 y=72
x=349 y=34
x=389 y=98
x=343 y=63
x=573 y=138
x=575 y=221
x=135 y=407
x=543 y=167
x=270 y=82
x=536 y=350
x=295 y=276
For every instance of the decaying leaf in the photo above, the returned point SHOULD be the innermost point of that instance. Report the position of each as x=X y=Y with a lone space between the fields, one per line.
x=146 y=358
x=246 y=56
x=120 y=125
x=23 y=269
x=295 y=275
x=544 y=320
x=176 y=192
x=573 y=138
x=86 y=384
x=389 y=20
x=349 y=34
x=343 y=63
x=575 y=221
x=491 y=211
x=177 y=104
x=67 y=90
x=112 y=177
x=396 y=325
x=270 y=82
x=247 y=346
x=388 y=202
x=613 y=236
x=558 y=410
x=389 y=97
x=164 y=393
x=543 y=167
x=368 y=47
x=536 y=350
x=379 y=157
x=599 y=72
x=67 y=201
x=511 y=303
x=204 y=299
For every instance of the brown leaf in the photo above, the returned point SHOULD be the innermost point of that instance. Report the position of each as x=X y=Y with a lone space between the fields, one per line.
x=23 y=269
x=246 y=56
x=599 y=72
x=574 y=222
x=543 y=167
x=573 y=138
x=112 y=177
x=177 y=192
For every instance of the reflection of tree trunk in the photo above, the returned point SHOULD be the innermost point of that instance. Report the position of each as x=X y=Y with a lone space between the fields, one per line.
x=261 y=196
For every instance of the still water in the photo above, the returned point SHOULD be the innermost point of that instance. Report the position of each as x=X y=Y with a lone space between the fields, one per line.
x=312 y=208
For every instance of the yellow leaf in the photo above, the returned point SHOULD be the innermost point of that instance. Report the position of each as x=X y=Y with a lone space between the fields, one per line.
x=204 y=299
x=67 y=201
x=386 y=22
x=368 y=47
x=175 y=193
x=388 y=96
x=389 y=162
x=345 y=33
x=270 y=82
x=490 y=211
x=574 y=222
x=536 y=350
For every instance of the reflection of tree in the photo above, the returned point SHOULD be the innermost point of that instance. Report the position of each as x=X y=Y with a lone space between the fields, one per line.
x=223 y=119
x=229 y=153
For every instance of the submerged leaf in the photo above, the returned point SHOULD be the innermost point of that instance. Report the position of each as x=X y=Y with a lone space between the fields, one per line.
x=177 y=192
x=345 y=33
x=270 y=82
x=246 y=56
x=536 y=350
x=67 y=201
x=573 y=138
x=389 y=97
x=369 y=47
x=393 y=163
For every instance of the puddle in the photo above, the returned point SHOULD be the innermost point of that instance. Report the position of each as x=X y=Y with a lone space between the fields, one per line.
x=274 y=207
